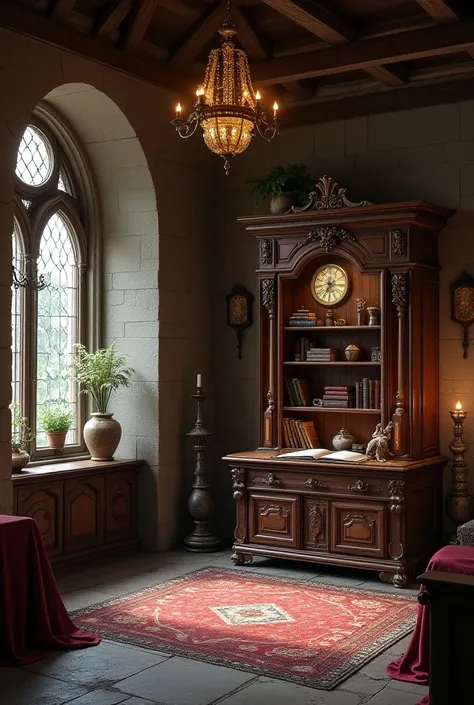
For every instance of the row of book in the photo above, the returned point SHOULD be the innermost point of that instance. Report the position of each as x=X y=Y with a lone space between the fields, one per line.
x=367 y=393
x=298 y=392
x=299 y=434
x=364 y=395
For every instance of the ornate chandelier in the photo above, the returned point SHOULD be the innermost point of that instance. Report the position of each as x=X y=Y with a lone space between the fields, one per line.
x=227 y=107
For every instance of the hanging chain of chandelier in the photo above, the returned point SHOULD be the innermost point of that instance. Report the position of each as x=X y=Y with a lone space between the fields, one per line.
x=227 y=107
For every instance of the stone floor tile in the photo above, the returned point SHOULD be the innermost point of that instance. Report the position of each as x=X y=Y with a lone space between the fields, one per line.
x=409 y=687
x=98 y=666
x=377 y=668
x=277 y=692
x=400 y=647
x=180 y=681
x=391 y=696
x=90 y=577
x=18 y=687
x=78 y=599
x=137 y=701
x=360 y=683
x=100 y=697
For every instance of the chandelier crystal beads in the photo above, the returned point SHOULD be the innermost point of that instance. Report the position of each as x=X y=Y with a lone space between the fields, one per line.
x=227 y=107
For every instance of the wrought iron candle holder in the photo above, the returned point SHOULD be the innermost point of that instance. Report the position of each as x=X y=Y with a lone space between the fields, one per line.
x=200 y=504
x=459 y=503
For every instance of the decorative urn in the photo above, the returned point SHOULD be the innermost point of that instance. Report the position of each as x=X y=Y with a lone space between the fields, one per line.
x=343 y=440
x=352 y=353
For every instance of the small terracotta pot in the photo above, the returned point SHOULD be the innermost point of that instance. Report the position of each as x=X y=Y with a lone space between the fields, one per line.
x=282 y=203
x=20 y=460
x=56 y=439
x=102 y=435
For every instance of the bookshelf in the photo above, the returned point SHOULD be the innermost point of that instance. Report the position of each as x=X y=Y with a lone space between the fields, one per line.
x=384 y=516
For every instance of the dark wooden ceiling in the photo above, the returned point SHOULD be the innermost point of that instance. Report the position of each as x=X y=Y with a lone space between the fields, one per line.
x=322 y=60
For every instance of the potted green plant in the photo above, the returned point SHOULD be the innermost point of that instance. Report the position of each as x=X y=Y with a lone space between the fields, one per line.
x=21 y=439
x=55 y=421
x=286 y=184
x=100 y=373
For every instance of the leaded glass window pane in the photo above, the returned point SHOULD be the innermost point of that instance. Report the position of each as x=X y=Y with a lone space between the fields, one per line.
x=62 y=183
x=16 y=323
x=34 y=159
x=57 y=322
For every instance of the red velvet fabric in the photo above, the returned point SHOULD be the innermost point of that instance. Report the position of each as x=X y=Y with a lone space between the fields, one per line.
x=413 y=665
x=33 y=618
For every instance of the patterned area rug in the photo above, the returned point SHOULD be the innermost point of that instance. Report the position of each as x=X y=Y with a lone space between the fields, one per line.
x=312 y=634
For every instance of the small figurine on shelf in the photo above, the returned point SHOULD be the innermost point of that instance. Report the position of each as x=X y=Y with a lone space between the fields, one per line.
x=377 y=448
x=340 y=322
x=373 y=315
x=360 y=303
x=329 y=318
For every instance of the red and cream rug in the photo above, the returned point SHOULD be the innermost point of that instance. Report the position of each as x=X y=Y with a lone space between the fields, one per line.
x=312 y=634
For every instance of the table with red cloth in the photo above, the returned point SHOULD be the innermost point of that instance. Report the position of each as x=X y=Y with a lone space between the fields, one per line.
x=33 y=618
x=413 y=665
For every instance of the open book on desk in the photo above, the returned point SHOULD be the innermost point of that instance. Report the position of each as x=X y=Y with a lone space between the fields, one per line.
x=340 y=456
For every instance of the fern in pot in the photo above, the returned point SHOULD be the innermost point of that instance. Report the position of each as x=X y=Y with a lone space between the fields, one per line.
x=286 y=185
x=56 y=420
x=99 y=374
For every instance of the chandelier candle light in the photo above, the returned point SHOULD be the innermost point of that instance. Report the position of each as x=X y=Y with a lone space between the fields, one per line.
x=227 y=108
x=459 y=503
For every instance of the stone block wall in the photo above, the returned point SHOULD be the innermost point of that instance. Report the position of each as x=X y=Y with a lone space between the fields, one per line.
x=418 y=154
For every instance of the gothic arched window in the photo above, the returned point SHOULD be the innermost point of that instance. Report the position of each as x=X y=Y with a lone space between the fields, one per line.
x=49 y=298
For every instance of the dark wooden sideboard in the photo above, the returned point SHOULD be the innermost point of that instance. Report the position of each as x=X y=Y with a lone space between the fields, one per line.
x=82 y=508
x=384 y=516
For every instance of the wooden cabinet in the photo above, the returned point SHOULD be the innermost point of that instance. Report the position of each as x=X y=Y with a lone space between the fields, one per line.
x=82 y=508
x=384 y=516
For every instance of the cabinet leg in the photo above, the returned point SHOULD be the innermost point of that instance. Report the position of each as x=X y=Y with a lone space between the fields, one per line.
x=399 y=579
x=238 y=558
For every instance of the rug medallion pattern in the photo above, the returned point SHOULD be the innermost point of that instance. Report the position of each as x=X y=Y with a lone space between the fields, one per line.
x=313 y=634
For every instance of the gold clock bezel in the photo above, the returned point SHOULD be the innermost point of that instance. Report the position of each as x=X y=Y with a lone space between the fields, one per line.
x=332 y=304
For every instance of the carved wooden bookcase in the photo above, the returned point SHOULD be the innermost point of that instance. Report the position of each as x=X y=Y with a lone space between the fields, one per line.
x=384 y=516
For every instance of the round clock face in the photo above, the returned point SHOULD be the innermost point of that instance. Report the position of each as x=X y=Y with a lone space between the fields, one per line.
x=329 y=284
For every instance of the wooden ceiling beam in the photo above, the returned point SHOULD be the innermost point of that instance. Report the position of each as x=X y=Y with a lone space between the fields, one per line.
x=389 y=76
x=251 y=42
x=298 y=90
x=342 y=58
x=316 y=19
x=386 y=101
x=60 y=9
x=107 y=22
x=198 y=36
x=442 y=11
x=181 y=8
x=138 y=21
x=28 y=21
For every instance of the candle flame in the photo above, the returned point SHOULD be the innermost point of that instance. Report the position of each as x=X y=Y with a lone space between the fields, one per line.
x=257 y=95
x=275 y=106
x=459 y=406
x=178 y=108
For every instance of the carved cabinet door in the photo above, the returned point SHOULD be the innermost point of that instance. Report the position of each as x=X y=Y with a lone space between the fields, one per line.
x=315 y=524
x=274 y=520
x=120 y=500
x=45 y=506
x=358 y=529
x=84 y=504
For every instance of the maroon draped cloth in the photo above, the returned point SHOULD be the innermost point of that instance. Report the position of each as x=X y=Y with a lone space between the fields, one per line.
x=413 y=665
x=33 y=618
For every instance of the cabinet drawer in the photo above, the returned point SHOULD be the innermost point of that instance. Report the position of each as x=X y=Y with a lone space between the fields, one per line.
x=274 y=520
x=361 y=485
x=358 y=529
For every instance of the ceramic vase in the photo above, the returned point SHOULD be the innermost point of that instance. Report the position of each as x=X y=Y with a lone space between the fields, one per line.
x=373 y=315
x=20 y=460
x=352 y=353
x=343 y=440
x=282 y=203
x=56 y=439
x=102 y=435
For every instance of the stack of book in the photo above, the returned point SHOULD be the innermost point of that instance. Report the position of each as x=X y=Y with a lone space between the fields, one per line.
x=321 y=355
x=368 y=394
x=303 y=318
x=299 y=434
x=298 y=391
x=341 y=397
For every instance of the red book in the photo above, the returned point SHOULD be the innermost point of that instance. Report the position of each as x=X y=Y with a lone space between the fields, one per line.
x=342 y=395
x=337 y=389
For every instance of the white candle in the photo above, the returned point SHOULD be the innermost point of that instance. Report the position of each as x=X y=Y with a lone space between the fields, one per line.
x=199 y=380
